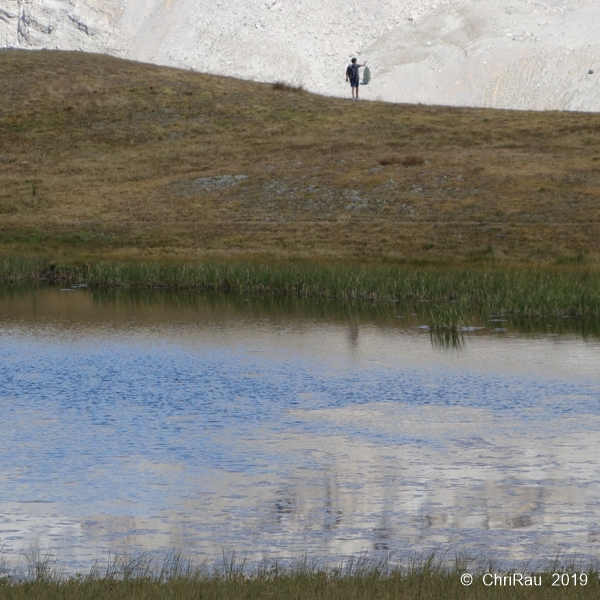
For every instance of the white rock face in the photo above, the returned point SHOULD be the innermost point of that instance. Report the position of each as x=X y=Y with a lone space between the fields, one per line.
x=525 y=54
x=92 y=25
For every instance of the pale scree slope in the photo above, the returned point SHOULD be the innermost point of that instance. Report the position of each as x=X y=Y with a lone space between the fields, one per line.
x=530 y=54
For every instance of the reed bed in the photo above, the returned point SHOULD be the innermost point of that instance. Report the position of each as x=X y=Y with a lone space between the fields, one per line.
x=354 y=578
x=452 y=295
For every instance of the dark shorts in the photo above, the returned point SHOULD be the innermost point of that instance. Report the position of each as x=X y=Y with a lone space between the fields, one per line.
x=354 y=82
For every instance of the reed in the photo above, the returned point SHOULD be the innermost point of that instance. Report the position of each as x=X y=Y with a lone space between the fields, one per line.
x=453 y=294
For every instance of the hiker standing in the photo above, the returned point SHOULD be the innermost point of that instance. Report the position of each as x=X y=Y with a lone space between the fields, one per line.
x=353 y=75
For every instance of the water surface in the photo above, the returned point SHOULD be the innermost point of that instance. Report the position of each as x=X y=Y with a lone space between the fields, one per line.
x=278 y=428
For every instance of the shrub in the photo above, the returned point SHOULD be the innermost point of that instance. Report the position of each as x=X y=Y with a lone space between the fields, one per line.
x=406 y=161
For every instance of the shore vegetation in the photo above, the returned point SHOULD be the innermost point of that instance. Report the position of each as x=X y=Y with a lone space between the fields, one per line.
x=143 y=578
x=116 y=173
x=451 y=295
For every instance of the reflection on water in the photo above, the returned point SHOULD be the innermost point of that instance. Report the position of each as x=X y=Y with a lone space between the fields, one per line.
x=278 y=427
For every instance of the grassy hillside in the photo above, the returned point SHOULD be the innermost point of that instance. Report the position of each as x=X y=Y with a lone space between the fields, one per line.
x=104 y=158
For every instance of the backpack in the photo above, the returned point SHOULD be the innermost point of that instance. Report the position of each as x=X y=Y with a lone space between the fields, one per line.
x=352 y=71
x=366 y=76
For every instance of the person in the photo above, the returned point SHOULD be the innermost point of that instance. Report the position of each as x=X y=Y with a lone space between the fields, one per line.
x=353 y=76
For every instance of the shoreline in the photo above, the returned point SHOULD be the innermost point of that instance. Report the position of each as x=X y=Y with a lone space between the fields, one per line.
x=105 y=158
x=427 y=576
x=452 y=292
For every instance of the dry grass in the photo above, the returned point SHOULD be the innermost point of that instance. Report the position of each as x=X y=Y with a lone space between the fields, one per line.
x=101 y=157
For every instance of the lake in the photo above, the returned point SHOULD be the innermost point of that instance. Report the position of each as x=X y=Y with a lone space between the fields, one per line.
x=278 y=428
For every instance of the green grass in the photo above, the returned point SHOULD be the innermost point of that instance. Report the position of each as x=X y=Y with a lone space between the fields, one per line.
x=359 y=578
x=452 y=295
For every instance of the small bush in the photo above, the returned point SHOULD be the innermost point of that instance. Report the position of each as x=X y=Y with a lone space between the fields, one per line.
x=286 y=87
x=412 y=161
x=405 y=161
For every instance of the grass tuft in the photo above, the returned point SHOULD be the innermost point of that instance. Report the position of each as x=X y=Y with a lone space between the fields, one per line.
x=406 y=161
x=144 y=577
x=281 y=86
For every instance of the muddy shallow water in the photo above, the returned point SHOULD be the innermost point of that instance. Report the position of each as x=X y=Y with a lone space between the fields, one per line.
x=282 y=428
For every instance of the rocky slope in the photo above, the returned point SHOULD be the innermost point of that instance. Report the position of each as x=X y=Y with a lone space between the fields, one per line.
x=524 y=54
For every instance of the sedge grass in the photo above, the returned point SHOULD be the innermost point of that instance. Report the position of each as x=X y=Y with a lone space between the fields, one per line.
x=452 y=295
x=143 y=577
